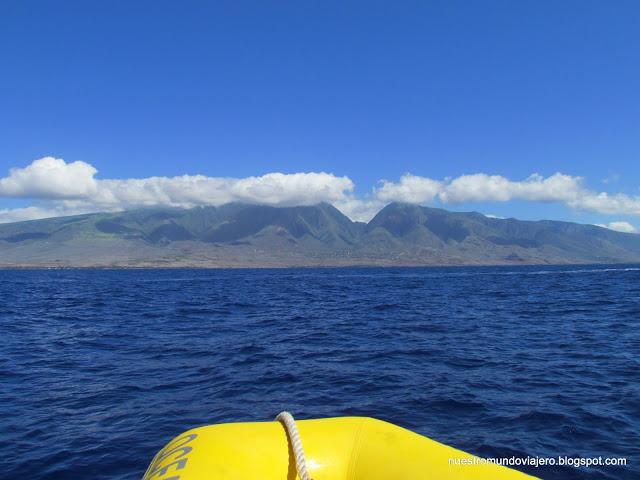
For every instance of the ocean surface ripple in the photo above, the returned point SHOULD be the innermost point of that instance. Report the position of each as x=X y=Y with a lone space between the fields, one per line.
x=100 y=368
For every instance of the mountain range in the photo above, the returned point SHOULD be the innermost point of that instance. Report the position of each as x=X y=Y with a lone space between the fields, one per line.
x=240 y=235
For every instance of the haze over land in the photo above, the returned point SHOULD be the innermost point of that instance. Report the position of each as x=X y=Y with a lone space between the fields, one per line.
x=241 y=235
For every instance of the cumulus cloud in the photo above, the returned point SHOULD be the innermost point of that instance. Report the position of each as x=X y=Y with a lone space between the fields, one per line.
x=619 y=226
x=53 y=178
x=410 y=189
x=73 y=188
x=481 y=187
x=191 y=190
x=61 y=188
x=50 y=177
x=617 y=204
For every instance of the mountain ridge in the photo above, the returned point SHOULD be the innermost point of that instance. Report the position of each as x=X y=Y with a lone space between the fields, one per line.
x=244 y=235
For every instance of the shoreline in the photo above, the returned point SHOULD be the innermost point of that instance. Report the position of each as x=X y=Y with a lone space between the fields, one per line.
x=304 y=267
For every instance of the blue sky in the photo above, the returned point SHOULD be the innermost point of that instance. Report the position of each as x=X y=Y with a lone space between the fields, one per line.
x=365 y=90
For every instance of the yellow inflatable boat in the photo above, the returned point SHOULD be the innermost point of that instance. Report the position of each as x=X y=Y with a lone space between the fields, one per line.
x=349 y=448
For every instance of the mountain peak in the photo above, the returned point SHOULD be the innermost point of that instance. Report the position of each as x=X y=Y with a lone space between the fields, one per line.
x=258 y=235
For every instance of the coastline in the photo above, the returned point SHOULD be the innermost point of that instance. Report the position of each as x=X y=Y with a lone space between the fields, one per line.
x=310 y=266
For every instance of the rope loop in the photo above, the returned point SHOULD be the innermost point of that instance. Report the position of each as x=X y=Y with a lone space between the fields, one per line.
x=294 y=437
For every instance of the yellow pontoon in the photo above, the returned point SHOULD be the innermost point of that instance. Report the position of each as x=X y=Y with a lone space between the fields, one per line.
x=348 y=448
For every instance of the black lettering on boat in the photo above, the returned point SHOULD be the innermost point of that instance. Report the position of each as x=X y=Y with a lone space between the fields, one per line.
x=178 y=462
x=162 y=471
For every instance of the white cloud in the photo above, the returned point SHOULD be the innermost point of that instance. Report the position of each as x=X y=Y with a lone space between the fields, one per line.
x=481 y=187
x=618 y=204
x=53 y=178
x=619 y=226
x=8 y=215
x=361 y=210
x=72 y=188
x=410 y=189
x=35 y=212
x=49 y=178
x=62 y=188
x=191 y=190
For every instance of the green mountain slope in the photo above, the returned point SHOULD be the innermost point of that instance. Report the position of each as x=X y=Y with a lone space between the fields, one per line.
x=256 y=235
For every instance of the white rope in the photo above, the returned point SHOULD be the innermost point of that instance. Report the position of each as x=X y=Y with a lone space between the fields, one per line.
x=294 y=437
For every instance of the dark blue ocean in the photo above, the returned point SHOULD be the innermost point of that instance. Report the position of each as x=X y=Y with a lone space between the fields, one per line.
x=99 y=368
